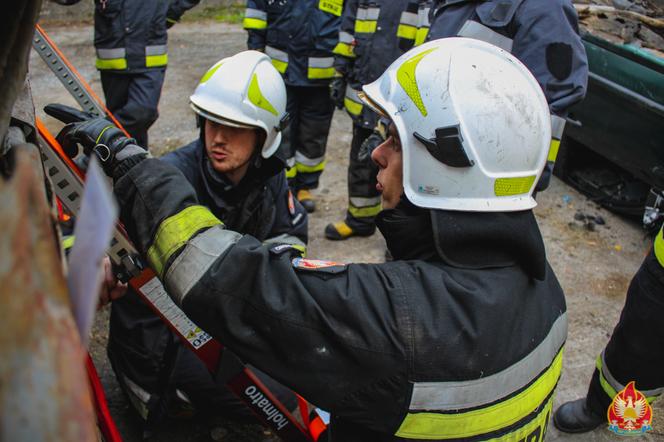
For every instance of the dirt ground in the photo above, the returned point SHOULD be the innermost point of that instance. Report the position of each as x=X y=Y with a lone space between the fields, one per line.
x=593 y=263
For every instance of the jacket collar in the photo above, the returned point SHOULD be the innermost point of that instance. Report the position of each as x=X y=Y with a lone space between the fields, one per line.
x=470 y=240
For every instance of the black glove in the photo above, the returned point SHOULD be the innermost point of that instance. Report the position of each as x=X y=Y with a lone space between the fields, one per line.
x=116 y=153
x=338 y=91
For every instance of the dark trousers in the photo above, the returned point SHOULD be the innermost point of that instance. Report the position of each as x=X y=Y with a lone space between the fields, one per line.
x=635 y=351
x=133 y=99
x=363 y=198
x=305 y=139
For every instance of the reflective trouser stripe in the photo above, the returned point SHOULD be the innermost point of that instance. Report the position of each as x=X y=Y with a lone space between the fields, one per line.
x=304 y=168
x=352 y=102
x=111 y=59
x=196 y=259
x=476 y=30
x=174 y=232
x=612 y=387
x=320 y=68
x=254 y=19
x=365 y=211
x=291 y=240
x=659 y=247
x=421 y=36
x=427 y=425
x=279 y=58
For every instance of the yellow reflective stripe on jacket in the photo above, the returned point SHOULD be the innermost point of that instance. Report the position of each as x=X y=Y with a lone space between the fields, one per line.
x=280 y=65
x=407 y=31
x=352 y=107
x=153 y=61
x=553 y=150
x=659 y=247
x=421 y=36
x=365 y=26
x=175 y=231
x=291 y=172
x=112 y=63
x=344 y=49
x=431 y=426
x=320 y=68
x=254 y=23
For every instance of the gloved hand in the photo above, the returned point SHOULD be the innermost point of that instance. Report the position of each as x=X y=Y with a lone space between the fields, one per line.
x=116 y=153
x=338 y=91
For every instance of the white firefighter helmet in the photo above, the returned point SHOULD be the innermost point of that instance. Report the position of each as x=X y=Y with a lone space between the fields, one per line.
x=473 y=122
x=244 y=90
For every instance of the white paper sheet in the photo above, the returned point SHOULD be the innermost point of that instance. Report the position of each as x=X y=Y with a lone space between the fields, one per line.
x=94 y=228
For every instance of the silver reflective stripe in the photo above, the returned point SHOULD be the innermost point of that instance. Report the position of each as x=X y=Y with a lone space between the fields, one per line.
x=255 y=13
x=196 y=258
x=351 y=94
x=110 y=54
x=285 y=239
x=299 y=158
x=409 y=18
x=321 y=62
x=358 y=201
x=155 y=50
x=372 y=14
x=618 y=386
x=423 y=17
x=448 y=396
x=361 y=14
x=345 y=37
x=290 y=162
x=276 y=54
x=478 y=31
x=557 y=127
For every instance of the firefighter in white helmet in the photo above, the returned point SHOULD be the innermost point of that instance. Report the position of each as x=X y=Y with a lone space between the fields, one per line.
x=240 y=105
x=461 y=336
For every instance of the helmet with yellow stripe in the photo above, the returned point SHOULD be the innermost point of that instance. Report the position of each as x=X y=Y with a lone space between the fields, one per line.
x=473 y=123
x=246 y=91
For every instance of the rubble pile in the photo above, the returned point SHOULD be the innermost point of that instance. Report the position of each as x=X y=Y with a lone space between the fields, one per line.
x=638 y=23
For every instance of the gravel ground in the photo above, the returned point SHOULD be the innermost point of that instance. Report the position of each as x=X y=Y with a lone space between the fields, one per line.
x=594 y=263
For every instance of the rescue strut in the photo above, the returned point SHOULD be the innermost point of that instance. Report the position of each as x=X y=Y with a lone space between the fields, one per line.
x=68 y=180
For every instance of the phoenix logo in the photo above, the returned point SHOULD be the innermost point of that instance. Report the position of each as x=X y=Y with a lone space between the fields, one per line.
x=630 y=413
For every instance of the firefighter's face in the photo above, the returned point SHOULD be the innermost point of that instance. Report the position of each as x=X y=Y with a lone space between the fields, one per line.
x=388 y=156
x=229 y=149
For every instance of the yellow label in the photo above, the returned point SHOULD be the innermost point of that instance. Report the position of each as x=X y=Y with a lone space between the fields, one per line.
x=335 y=7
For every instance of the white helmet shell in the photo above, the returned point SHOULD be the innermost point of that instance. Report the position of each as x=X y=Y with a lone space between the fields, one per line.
x=473 y=122
x=244 y=90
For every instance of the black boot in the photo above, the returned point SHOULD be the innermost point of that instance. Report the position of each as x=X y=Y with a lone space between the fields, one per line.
x=576 y=417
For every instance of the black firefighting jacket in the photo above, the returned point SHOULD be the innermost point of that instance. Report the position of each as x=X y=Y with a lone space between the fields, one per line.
x=373 y=34
x=130 y=35
x=460 y=337
x=260 y=205
x=299 y=36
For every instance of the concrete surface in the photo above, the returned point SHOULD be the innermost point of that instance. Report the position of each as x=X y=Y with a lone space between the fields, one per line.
x=594 y=267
